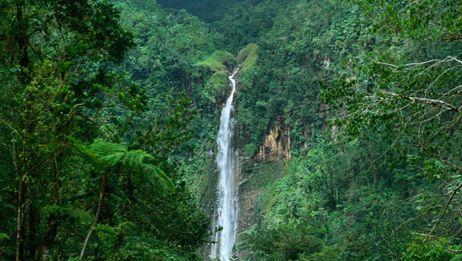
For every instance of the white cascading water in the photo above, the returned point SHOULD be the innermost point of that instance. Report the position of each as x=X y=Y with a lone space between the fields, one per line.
x=227 y=197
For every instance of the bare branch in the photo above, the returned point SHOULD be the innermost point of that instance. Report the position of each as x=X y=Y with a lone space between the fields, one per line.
x=383 y=63
x=454 y=59
x=417 y=64
x=445 y=207
x=433 y=102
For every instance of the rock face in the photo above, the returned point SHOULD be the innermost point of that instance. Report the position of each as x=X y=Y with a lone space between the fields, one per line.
x=248 y=210
x=256 y=177
x=256 y=174
x=276 y=145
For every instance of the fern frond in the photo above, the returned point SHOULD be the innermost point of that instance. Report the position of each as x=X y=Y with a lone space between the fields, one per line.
x=112 y=154
x=153 y=171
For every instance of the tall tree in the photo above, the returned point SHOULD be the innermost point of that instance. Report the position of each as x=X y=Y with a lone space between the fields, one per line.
x=51 y=46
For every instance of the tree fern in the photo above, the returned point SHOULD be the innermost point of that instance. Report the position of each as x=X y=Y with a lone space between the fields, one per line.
x=112 y=154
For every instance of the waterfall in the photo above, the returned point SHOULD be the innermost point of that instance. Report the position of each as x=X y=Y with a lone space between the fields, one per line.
x=227 y=197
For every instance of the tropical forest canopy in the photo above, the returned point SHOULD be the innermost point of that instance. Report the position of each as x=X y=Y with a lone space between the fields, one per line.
x=348 y=128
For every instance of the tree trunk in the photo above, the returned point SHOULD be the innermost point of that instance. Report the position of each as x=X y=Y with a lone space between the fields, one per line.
x=24 y=62
x=33 y=219
x=98 y=212
x=47 y=239
x=20 y=219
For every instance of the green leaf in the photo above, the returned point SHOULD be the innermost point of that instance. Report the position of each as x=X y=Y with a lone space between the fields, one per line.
x=113 y=154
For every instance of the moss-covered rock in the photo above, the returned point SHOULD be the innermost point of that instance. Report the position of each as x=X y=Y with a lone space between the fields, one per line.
x=248 y=57
x=218 y=62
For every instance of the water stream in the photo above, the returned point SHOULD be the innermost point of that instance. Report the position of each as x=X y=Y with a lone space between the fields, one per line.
x=227 y=190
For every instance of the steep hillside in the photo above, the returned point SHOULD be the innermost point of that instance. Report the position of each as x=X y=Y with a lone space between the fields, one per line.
x=208 y=10
x=347 y=136
x=345 y=97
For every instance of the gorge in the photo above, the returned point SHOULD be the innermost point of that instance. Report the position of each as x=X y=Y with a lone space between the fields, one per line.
x=231 y=130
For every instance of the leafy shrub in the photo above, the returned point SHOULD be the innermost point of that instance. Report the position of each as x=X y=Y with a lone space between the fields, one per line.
x=425 y=248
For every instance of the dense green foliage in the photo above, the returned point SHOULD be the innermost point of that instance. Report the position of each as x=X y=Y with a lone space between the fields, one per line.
x=67 y=82
x=109 y=111
x=382 y=179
